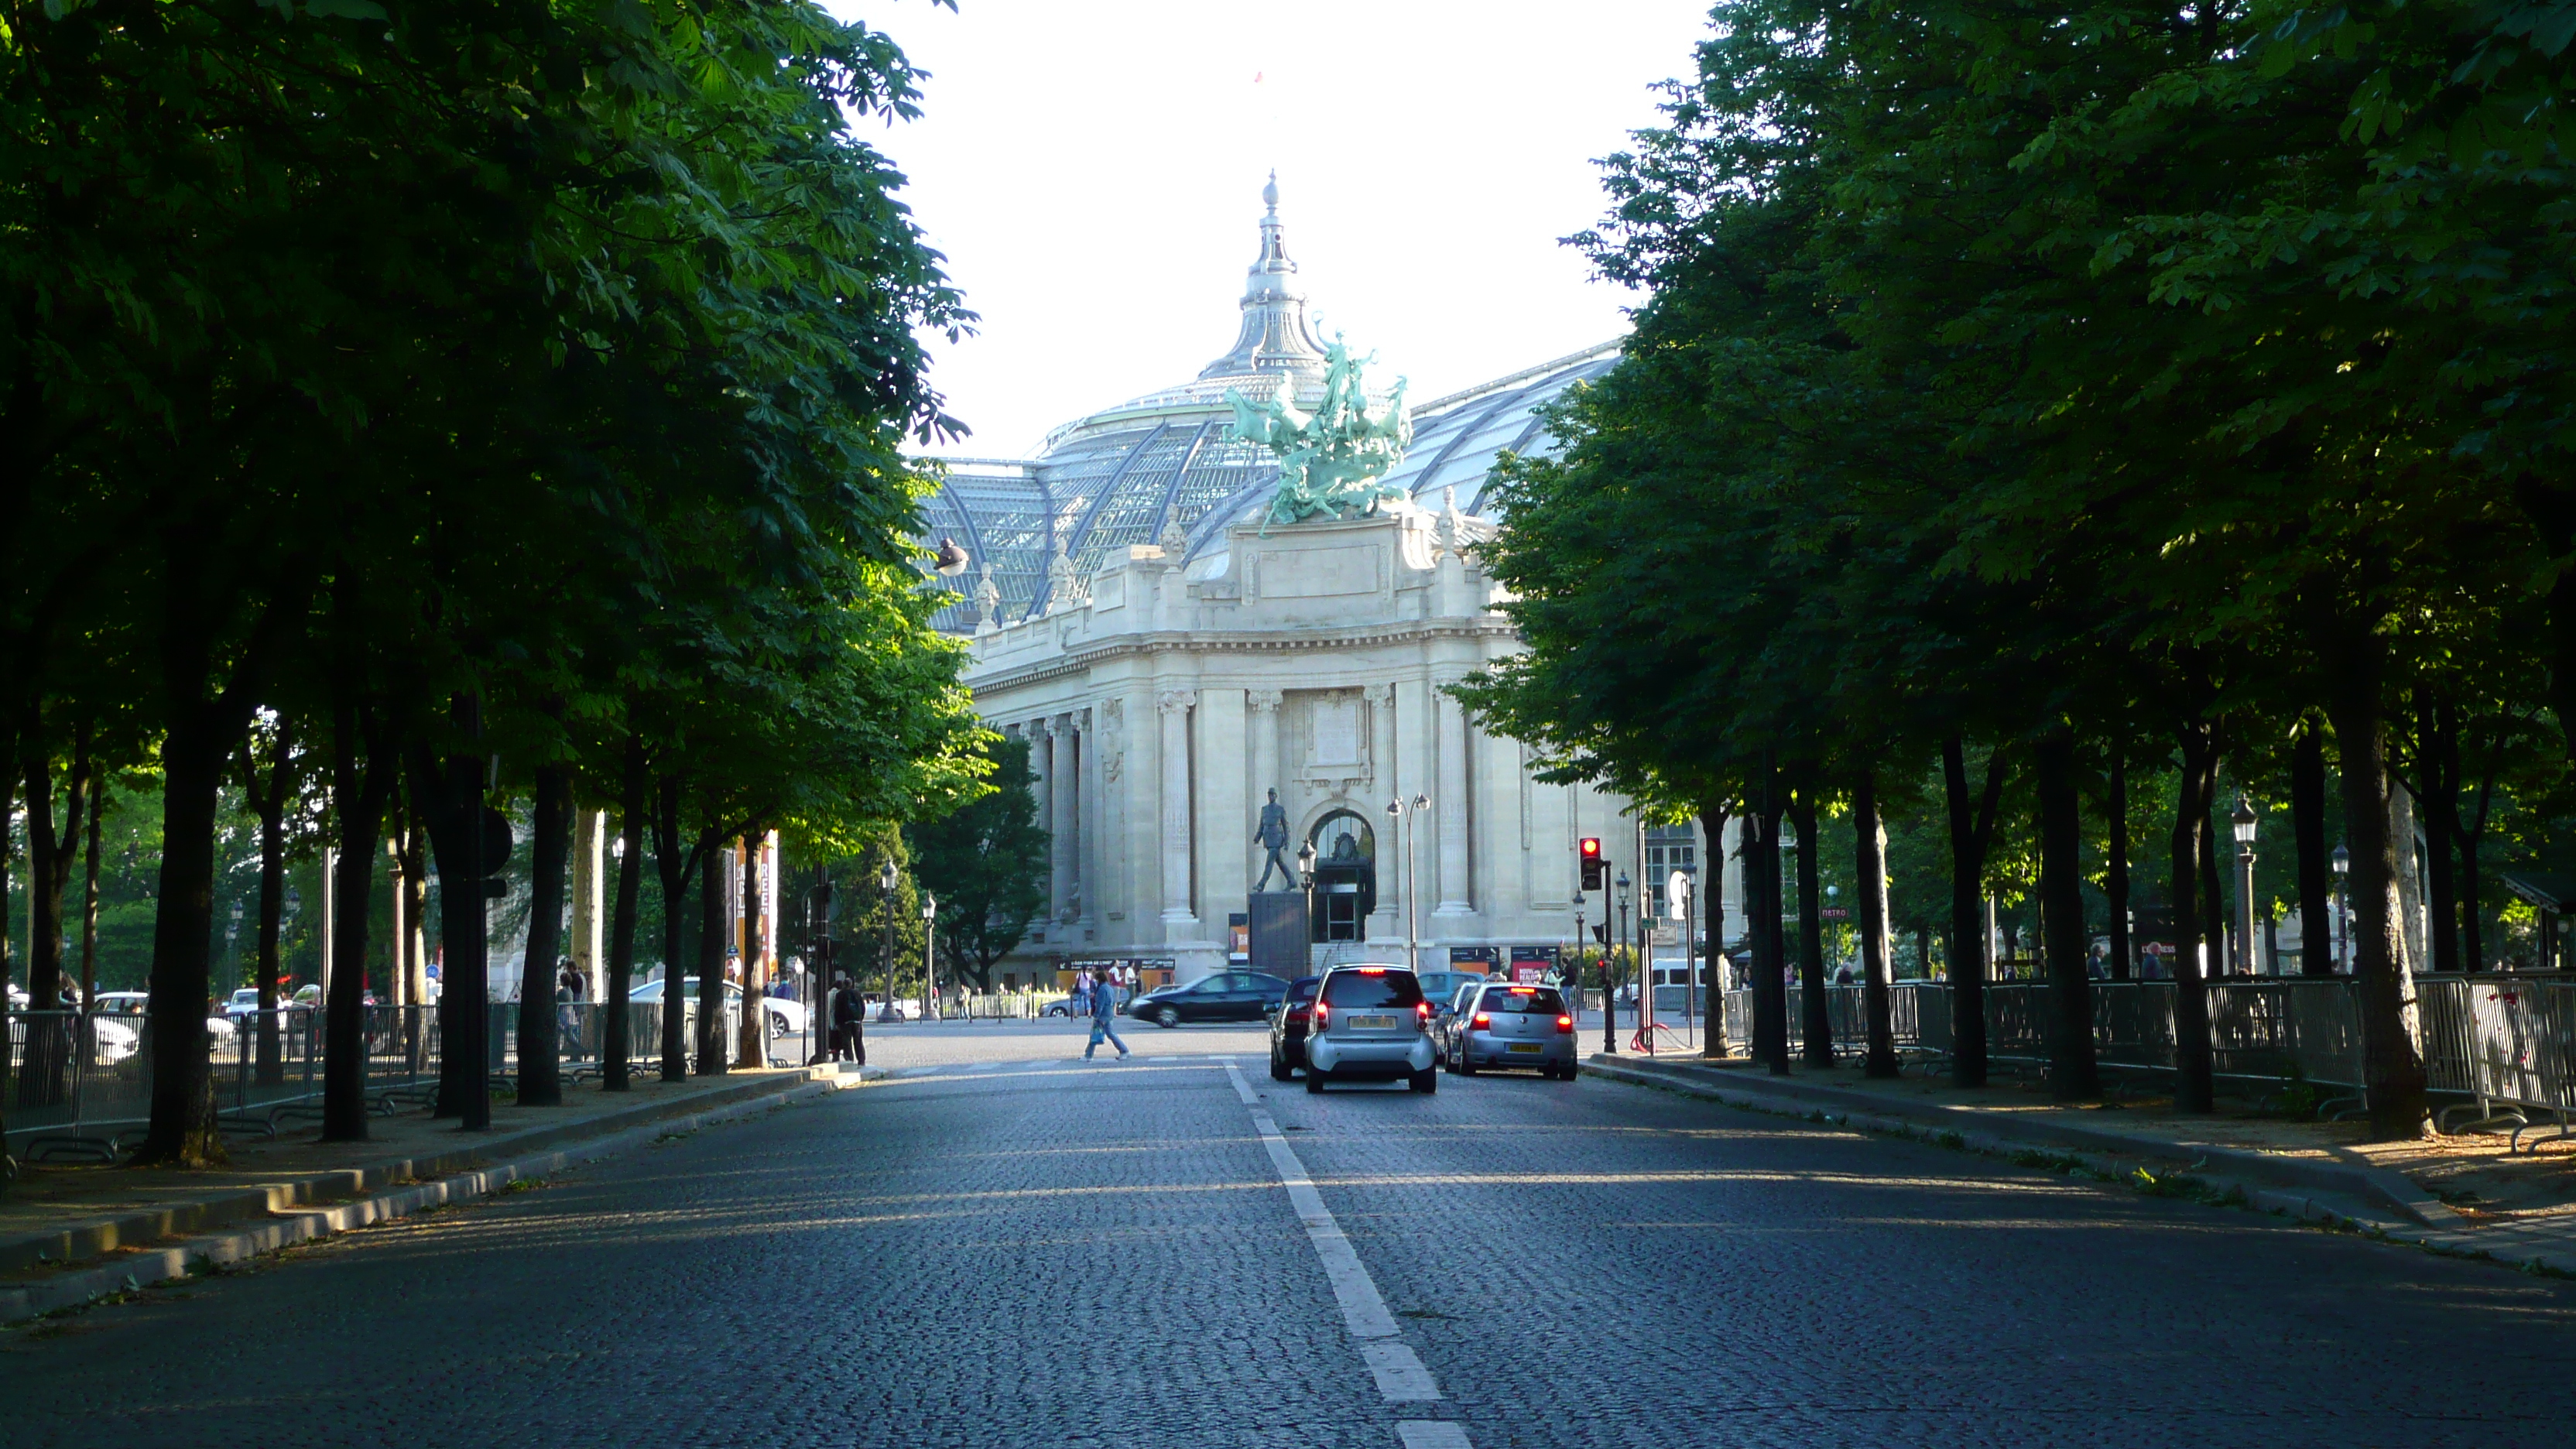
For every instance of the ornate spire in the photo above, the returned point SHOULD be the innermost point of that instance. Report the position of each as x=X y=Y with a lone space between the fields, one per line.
x=1275 y=337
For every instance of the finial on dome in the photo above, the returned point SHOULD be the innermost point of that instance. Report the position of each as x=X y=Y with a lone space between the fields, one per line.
x=1270 y=193
x=1275 y=337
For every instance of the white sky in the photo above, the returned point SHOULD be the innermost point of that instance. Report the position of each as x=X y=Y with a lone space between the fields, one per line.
x=1093 y=173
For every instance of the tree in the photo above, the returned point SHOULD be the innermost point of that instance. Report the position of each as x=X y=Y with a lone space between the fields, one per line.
x=986 y=861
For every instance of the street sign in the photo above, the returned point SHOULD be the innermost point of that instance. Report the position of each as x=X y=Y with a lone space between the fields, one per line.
x=1677 y=888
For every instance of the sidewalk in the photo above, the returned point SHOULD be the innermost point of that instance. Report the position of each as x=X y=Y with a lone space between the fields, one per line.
x=69 y=1234
x=2461 y=1194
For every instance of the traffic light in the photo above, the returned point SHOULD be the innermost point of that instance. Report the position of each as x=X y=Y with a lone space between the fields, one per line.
x=1595 y=869
x=1601 y=933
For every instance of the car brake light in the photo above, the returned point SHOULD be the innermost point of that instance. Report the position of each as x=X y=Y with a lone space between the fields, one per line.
x=1323 y=1016
x=1565 y=1024
x=1483 y=1020
x=1422 y=1012
x=1372 y=971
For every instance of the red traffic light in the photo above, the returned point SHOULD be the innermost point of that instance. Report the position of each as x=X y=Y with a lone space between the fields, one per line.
x=1590 y=845
x=1595 y=871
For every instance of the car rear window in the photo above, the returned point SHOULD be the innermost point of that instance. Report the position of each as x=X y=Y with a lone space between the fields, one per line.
x=1541 y=1000
x=1303 y=991
x=1360 y=990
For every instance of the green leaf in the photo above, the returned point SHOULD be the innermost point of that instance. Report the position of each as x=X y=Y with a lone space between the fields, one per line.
x=345 y=9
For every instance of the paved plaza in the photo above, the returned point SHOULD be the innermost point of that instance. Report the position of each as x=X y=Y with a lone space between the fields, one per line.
x=1010 y=1248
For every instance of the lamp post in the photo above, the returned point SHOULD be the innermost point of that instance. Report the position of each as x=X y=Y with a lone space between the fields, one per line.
x=2244 y=822
x=1306 y=886
x=2342 y=942
x=929 y=956
x=1573 y=975
x=1395 y=814
x=818 y=1026
x=885 y=883
x=1618 y=937
x=1685 y=879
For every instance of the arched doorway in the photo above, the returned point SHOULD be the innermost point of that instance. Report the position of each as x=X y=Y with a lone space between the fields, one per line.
x=1345 y=875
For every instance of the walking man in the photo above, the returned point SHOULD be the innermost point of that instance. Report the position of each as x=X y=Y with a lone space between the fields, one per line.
x=1104 y=1015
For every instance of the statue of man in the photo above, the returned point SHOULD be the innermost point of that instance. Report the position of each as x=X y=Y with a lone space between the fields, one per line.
x=1272 y=836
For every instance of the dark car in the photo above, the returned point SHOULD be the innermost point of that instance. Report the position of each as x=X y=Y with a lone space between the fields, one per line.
x=1288 y=1028
x=1226 y=996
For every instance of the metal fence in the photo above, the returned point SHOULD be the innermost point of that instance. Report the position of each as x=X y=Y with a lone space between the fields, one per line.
x=79 y=1081
x=2492 y=1038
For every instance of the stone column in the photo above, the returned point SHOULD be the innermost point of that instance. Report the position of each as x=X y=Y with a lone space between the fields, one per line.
x=1062 y=778
x=1041 y=767
x=1261 y=730
x=1386 y=923
x=1089 y=872
x=1449 y=803
x=1174 y=706
x=589 y=855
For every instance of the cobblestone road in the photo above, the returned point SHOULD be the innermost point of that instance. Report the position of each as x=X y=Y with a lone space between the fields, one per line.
x=1040 y=1253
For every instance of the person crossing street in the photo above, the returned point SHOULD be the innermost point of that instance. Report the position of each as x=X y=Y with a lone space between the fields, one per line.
x=1104 y=1016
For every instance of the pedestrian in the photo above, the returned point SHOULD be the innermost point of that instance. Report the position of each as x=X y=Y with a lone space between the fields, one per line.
x=849 y=1018
x=1104 y=1014
x=1081 y=993
x=569 y=988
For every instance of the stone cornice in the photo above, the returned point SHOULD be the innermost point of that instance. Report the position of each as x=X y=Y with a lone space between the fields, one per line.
x=1221 y=642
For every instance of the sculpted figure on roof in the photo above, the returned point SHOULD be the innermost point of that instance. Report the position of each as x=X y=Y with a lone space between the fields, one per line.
x=1329 y=459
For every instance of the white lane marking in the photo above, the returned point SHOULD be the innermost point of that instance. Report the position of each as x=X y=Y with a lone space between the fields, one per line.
x=1401 y=1378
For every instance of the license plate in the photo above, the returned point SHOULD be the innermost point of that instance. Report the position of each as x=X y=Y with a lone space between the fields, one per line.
x=1527 y=1046
x=1372 y=1023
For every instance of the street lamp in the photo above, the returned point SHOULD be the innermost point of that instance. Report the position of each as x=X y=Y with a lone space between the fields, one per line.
x=1619 y=936
x=929 y=955
x=2244 y=822
x=885 y=884
x=1395 y=811
x=1306 y=887
x=1686 y=881
x=2342 y=937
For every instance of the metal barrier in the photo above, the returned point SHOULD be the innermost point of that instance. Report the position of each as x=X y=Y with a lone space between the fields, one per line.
x=80 y=1081
x=2508 y=1042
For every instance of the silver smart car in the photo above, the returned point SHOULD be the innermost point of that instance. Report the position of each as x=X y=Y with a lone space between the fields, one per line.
x=1512 y=1026
x=1371 y=1023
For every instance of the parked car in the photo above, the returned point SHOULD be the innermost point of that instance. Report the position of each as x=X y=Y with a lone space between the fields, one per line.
x=786 y=1018
x=244 y=1002
x=1501 y=1025
x=1370 y=1023
x=1441 y=988
x=134 y=1004
x=1290 y=1019
x=1225 y=996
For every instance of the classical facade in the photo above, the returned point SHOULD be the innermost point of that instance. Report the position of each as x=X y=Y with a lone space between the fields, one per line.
x=1173 y=658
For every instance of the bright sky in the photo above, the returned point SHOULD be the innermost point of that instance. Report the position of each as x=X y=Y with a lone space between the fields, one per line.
x=1093 y=173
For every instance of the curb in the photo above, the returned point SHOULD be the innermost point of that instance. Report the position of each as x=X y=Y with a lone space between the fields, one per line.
x=606 y=1136
x=2426 y=1220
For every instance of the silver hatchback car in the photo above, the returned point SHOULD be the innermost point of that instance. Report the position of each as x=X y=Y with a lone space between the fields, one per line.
x=1513 y=1026
x=1371 y=1023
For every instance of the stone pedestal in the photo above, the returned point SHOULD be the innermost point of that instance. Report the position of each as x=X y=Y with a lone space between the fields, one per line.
x=1280 y=932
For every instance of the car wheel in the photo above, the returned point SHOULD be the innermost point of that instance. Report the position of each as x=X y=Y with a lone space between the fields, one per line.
x=777 y=1025
x=1426 y=1081
x=1466 y=1066
x=1314 y=1079
x=1167 y=1018
x=1279 y=1069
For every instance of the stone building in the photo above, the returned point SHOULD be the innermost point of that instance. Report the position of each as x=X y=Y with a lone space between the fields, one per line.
x=1172 y=660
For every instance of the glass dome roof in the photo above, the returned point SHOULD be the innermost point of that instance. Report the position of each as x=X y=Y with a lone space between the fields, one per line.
x=1165 y=467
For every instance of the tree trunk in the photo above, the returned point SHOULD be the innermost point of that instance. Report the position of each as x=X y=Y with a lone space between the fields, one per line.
x=183 y=1133
x=2308 y=833
x=2115 y=865
x=1972 y=825
x=89 y=893
x=2473 y=955
x=269 y=799
x=1816 y=1013
x=614 y=1067
x=2393 y=1082
x=1869 y=835
x=2072 y=1073
x=451 y=792
x=673 y=869
x=751 y=1038
x=2437 y=751
x=711 y=976
x=413 y=851
x=2194 y=1089
x=44 y=1079
x=1712 y=905
x=2215 y=918
x=1762 y=901
x=549 y=854
x=363 y=767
